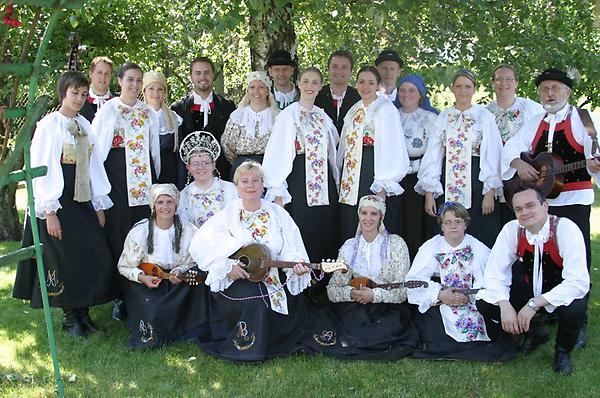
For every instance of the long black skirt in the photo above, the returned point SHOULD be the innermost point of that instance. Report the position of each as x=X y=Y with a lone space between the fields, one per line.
x=484 y=228
x=318 y=224
x=79 y=272
x=412 y=215
x=241 y=159
x=168 y=167
x=349 y=214
x=120 y=217
x=377 y=331
x=167 y=314
x=251 y=331
x=436 y=344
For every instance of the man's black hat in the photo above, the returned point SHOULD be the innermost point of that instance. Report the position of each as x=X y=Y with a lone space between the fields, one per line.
x=554 y=74
x=280 y=57
x=389 y=55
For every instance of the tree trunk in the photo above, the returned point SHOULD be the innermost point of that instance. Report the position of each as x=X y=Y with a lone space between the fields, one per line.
x=271 y=29
x=10 y=227
x=597 y=20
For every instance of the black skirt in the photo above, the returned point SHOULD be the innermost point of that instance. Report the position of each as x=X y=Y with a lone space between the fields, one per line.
x=376 y=331
x=412 y=218
x=168 y=167
x=484 y=228
x=79 y=271
x=349 y=214
x=250 y=330
x=167 y=314
x=436 y=344
x=318 y=224
x=120 y=217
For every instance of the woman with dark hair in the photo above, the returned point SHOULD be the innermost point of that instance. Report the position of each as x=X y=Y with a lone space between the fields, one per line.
x=372 y=155
x=162 y=310
x=301 y=171
x=127 y=132
x=69 y=207
x=449 y=324
x=462 y=162
x=418 y=117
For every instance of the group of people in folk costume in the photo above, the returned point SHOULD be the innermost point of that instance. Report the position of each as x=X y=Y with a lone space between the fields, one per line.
x=408 y=199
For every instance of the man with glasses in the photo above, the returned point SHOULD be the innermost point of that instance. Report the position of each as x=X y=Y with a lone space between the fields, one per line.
x=561 y=131
x=536 y=266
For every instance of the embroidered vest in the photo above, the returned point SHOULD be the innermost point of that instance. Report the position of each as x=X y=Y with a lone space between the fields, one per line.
x=564 y=145
x=552 y=262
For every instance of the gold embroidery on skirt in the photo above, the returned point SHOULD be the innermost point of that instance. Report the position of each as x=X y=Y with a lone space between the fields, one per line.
x=242 y=341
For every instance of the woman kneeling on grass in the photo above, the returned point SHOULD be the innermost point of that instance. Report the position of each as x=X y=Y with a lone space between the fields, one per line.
x=69 y=206
x=448 y=321
x=162 y=311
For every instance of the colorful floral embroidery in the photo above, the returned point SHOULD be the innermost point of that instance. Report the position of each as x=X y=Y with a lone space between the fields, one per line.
x=137 y=152
x=243 y=340
x=458 y=158
x=203 y=206
x=256 y=223
x=310 y=133
x=352 y=159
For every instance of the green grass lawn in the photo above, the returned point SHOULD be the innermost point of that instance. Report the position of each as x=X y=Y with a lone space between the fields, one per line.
x=102 y=365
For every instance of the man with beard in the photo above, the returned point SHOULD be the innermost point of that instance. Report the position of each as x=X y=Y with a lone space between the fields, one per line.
x=203 y=110
x=338 y=96
x=561 y=131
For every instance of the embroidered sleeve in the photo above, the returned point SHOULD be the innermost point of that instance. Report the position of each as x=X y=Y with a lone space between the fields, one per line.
x=133 y=253
x=183 y=260
x=394 y=271
x=229 y=138
x=520 y=142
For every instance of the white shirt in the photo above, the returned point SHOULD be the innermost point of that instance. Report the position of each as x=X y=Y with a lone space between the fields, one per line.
x=417 y=128
x=511 y=119
x=576 y=278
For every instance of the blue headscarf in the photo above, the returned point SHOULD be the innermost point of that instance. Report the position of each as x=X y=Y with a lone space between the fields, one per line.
x=418 y=82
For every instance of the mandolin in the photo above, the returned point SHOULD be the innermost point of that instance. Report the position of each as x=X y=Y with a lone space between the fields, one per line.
x=551 y=169
x=257 y=261
x=366 y=282
x=191 y=277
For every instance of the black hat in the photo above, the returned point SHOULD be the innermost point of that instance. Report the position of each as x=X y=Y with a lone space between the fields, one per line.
x=554 y=74
x=280 y=57
x=389 y=55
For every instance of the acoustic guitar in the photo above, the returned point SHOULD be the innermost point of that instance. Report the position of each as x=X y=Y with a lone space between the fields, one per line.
x=366 y=282
x=257 y=261
x=191 y=277
x=551 y=178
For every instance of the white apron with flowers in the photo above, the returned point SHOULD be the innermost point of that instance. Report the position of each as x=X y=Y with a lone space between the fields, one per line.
x=458 y=158
x=350 y=181
x=203 y=206
x=310 y=136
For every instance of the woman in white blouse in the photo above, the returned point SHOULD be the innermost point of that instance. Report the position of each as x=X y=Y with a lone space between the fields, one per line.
x=155 y=92
x=376 y=325
x=69 y=209
x=162 y=310
x=261 y=319
x=301 y=170
x=449 y=324
x=249 y=127
x=462 y=162
x=417 y=117
x=372 y=155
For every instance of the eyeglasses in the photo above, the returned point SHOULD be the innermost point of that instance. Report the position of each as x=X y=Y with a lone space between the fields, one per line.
x=453 y=222
x=557 y=88
x=197 y=165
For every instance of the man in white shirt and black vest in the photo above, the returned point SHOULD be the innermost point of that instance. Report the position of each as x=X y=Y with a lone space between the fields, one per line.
x=203 y=110
x=537 y=265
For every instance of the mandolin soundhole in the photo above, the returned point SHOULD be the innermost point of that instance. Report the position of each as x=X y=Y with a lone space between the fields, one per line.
x=244 y=260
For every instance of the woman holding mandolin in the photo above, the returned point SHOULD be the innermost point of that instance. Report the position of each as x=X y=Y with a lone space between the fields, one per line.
x=262 y=319
x=377 y=325
x=156 y=249
x=453 y=262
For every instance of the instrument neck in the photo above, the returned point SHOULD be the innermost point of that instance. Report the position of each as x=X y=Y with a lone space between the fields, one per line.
x=289 y=264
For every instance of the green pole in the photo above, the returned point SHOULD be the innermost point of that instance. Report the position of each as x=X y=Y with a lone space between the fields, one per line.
x=59 y=385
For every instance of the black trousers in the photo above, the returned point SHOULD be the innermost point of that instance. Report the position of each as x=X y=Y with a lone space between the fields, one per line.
x=580 y=215
x=570 y=317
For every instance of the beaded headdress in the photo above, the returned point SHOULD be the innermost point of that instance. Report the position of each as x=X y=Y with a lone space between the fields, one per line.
x=199 y=141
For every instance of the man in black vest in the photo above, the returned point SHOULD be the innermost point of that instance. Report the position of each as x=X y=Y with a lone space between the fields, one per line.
x=203 y=110
x=537 y=265
x=559 y=130
x=101 y=70
x=338 y=96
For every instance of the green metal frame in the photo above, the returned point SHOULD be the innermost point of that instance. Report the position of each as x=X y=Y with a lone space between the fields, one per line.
x=34 y=110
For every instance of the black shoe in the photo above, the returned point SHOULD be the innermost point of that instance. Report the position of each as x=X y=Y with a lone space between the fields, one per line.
x=83 y=315
x=582 y=338
x=119 y=310
x=537 y=335
x=562 y=362
x=71 y=324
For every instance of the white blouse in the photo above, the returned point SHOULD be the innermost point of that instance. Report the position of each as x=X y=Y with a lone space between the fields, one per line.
x=162 y=124
x=511 y=120
x=417 y=126
x=576 y=278
x=281 y=150
x=197 y=205
x=51 y=135
x=247 y=132
x=486 y=144
x=135 y=250
x=108 y=119
x=225 y=233
x=391 y=156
